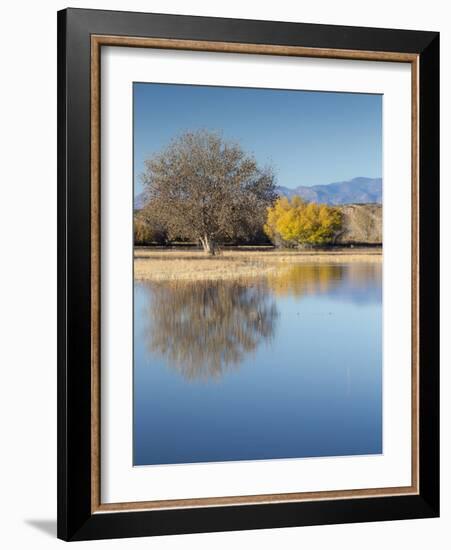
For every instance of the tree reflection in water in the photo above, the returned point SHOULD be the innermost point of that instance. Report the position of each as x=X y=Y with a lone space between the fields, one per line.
x=353 y=282
x=205 y=328
x=304 y=279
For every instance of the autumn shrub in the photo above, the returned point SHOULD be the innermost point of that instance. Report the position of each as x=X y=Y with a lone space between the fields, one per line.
x=145 y=231
x=296 y=222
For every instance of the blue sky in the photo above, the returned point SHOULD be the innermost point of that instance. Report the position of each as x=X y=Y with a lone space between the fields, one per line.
x=309 y=138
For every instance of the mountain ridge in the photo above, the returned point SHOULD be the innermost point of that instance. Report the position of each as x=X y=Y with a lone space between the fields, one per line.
x=359 y=190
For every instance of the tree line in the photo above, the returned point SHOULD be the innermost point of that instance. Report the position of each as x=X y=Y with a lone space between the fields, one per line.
x=204 y=189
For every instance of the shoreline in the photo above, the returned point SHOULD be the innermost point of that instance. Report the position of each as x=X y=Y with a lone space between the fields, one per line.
x=152 y=264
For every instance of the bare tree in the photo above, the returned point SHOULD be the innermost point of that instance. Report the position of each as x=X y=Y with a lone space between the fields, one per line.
x=204 y=188
x=205 y=328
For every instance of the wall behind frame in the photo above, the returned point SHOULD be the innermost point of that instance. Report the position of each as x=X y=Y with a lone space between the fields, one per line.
x=28 y=275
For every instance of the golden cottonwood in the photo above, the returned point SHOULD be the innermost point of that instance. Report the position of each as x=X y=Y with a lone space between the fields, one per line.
x=297 y=222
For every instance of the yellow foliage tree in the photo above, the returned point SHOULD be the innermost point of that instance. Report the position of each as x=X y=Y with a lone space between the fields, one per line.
x=296 y=222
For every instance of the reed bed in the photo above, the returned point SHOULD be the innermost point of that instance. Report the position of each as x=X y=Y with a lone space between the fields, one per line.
x=158 y=264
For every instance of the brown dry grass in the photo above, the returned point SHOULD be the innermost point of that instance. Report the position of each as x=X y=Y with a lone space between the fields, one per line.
x=188 y=264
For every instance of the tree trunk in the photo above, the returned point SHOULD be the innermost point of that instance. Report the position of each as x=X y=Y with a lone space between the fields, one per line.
x=208 y=245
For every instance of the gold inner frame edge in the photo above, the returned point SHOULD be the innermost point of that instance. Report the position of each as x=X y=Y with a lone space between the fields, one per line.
x=97 y=41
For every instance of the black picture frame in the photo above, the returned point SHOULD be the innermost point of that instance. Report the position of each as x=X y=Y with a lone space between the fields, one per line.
x=75 y=518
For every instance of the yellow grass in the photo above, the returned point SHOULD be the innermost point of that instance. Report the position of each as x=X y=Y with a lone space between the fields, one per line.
x=188 y=264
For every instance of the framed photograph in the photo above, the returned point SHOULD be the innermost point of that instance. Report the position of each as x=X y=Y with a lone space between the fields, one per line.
x=248 y=274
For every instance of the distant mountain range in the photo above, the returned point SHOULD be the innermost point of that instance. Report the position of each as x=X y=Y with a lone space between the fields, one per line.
x=355 y=191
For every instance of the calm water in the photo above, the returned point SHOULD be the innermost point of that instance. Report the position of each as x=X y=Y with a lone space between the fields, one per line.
x=284 y=366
